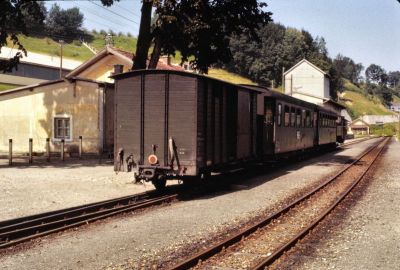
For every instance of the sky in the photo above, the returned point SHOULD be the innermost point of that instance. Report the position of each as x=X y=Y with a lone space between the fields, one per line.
x=368 y=31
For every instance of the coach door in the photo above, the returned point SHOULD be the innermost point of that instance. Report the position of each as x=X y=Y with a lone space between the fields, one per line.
x=269 y=114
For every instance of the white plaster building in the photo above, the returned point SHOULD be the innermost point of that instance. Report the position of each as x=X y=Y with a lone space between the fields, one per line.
x=308 y=82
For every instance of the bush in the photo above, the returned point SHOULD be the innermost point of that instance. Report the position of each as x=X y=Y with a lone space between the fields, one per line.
x=389 y=129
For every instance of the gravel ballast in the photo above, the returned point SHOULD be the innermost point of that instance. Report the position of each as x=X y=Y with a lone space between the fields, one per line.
x=364 y=233
x=133 y=241
x=27 y=190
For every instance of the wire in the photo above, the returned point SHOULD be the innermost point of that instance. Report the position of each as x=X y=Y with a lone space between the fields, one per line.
x=113 y=12
x=87 y=9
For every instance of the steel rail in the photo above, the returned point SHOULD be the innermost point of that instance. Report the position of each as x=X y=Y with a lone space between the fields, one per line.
x=223 y=244
x=29 y=229
x=274 y=256
x=30 y=218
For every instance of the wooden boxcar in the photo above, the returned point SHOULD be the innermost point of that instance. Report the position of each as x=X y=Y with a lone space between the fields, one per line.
x=182 y=124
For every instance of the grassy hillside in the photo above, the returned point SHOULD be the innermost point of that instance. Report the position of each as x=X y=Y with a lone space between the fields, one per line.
x=227 y=76
x=76 y=51
x=358 y=103
x=5 y=86
x=73 y=50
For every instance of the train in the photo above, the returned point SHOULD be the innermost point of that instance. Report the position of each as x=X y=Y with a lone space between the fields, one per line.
x=181 y=125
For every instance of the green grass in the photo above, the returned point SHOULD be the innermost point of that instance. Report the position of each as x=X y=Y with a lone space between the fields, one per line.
x=5 y=86
x=358 y=104
x=74 y=50
x=228 y=76
x=121 y=42
x=389 y=129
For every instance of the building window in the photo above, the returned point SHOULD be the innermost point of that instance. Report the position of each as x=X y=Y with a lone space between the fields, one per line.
x=62 y=128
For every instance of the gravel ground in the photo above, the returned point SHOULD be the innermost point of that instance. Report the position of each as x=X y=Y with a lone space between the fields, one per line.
x=27 y=190
x=133 y=241
x=365 y=232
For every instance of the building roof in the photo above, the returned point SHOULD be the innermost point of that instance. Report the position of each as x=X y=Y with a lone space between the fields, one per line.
x=32 y=86
x=39 y=59
x=334 y=103
x=125 y=57
x=309 y=63
x=363 y=125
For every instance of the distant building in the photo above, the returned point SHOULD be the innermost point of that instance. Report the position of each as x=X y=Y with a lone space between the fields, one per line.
x=395 y=107
x=358 y=127
x=35 y=68
x=308 y=82
x=380 y=119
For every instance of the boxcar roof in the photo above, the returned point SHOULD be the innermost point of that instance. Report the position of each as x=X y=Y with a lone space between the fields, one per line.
x=182 y=73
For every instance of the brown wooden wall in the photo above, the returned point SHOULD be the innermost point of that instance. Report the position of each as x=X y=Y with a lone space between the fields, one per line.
x=127 y=117
x=210 y=121
x=108 y=119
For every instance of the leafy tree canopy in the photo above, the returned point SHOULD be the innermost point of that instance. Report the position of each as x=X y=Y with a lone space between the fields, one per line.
x=376 y=74
x=199 y=29
x=347 y=68
x=67 y=23
x=14 y=19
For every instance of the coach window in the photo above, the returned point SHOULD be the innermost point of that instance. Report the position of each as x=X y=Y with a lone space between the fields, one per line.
x=279 y=119
x=298 y=118
x=287 y=116
x=308 y=119
x=292 y=116
x=303 y=118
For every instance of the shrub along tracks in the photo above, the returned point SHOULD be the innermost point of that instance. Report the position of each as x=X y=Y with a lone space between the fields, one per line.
x=259 y=245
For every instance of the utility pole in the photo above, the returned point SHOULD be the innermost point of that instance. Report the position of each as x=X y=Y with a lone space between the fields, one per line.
x=283 y=79
x=61 y=55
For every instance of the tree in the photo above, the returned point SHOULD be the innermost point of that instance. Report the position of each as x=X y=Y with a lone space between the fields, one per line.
x=347 y=68
x=376 y=74
x=13 y=20
x=199 y=29
x=65 y=23
x=394 y=79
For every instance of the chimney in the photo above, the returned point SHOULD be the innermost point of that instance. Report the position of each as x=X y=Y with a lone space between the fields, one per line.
x=118 y=69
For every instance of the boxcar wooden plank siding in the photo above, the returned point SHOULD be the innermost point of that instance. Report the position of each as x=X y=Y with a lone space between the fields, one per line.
x=154 y=115
x=199 y=113
x=127 y=117
x=182 y=122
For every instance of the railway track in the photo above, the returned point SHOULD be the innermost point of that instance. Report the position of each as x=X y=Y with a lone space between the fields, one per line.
x=259 y=245
x=15 y=231
x=23 y=229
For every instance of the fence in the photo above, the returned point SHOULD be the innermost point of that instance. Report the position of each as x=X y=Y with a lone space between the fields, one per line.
x=59 y=155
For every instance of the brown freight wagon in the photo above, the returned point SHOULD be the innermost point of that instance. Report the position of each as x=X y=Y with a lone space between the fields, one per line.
x=182 y=125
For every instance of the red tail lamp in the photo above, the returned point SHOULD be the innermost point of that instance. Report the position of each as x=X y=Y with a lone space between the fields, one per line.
x=153 y=159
